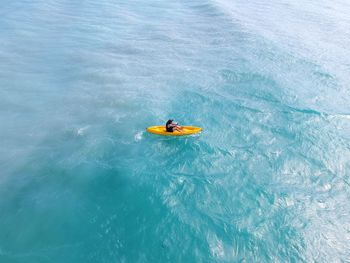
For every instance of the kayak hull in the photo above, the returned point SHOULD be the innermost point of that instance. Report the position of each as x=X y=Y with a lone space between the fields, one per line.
x=187 y=130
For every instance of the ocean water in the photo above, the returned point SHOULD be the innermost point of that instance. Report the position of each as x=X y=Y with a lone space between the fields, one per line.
x=268 y=179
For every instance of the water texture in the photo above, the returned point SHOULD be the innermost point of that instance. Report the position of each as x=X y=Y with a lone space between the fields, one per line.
x=268 y=180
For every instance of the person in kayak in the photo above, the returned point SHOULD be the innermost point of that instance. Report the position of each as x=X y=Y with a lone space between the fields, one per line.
x=171 y=126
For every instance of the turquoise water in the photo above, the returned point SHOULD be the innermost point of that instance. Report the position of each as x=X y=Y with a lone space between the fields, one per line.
x=268 y=180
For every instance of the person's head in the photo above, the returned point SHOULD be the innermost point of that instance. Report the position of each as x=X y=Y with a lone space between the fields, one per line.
x=169 y=122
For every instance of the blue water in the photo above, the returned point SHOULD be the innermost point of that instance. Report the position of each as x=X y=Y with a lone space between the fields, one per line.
x=268 y=180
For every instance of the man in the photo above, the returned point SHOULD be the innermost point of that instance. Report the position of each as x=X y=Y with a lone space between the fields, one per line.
x=170 y=126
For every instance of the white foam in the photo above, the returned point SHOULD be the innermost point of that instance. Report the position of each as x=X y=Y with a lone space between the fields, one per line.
x=81 y=131
x=138 y=136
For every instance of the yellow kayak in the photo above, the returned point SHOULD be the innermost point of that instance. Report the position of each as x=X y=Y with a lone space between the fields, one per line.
x=160 y=130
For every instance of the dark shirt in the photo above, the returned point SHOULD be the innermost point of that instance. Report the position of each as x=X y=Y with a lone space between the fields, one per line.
x=168 y=126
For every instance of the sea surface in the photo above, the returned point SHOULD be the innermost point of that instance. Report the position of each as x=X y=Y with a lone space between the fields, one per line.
x=268 y=179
